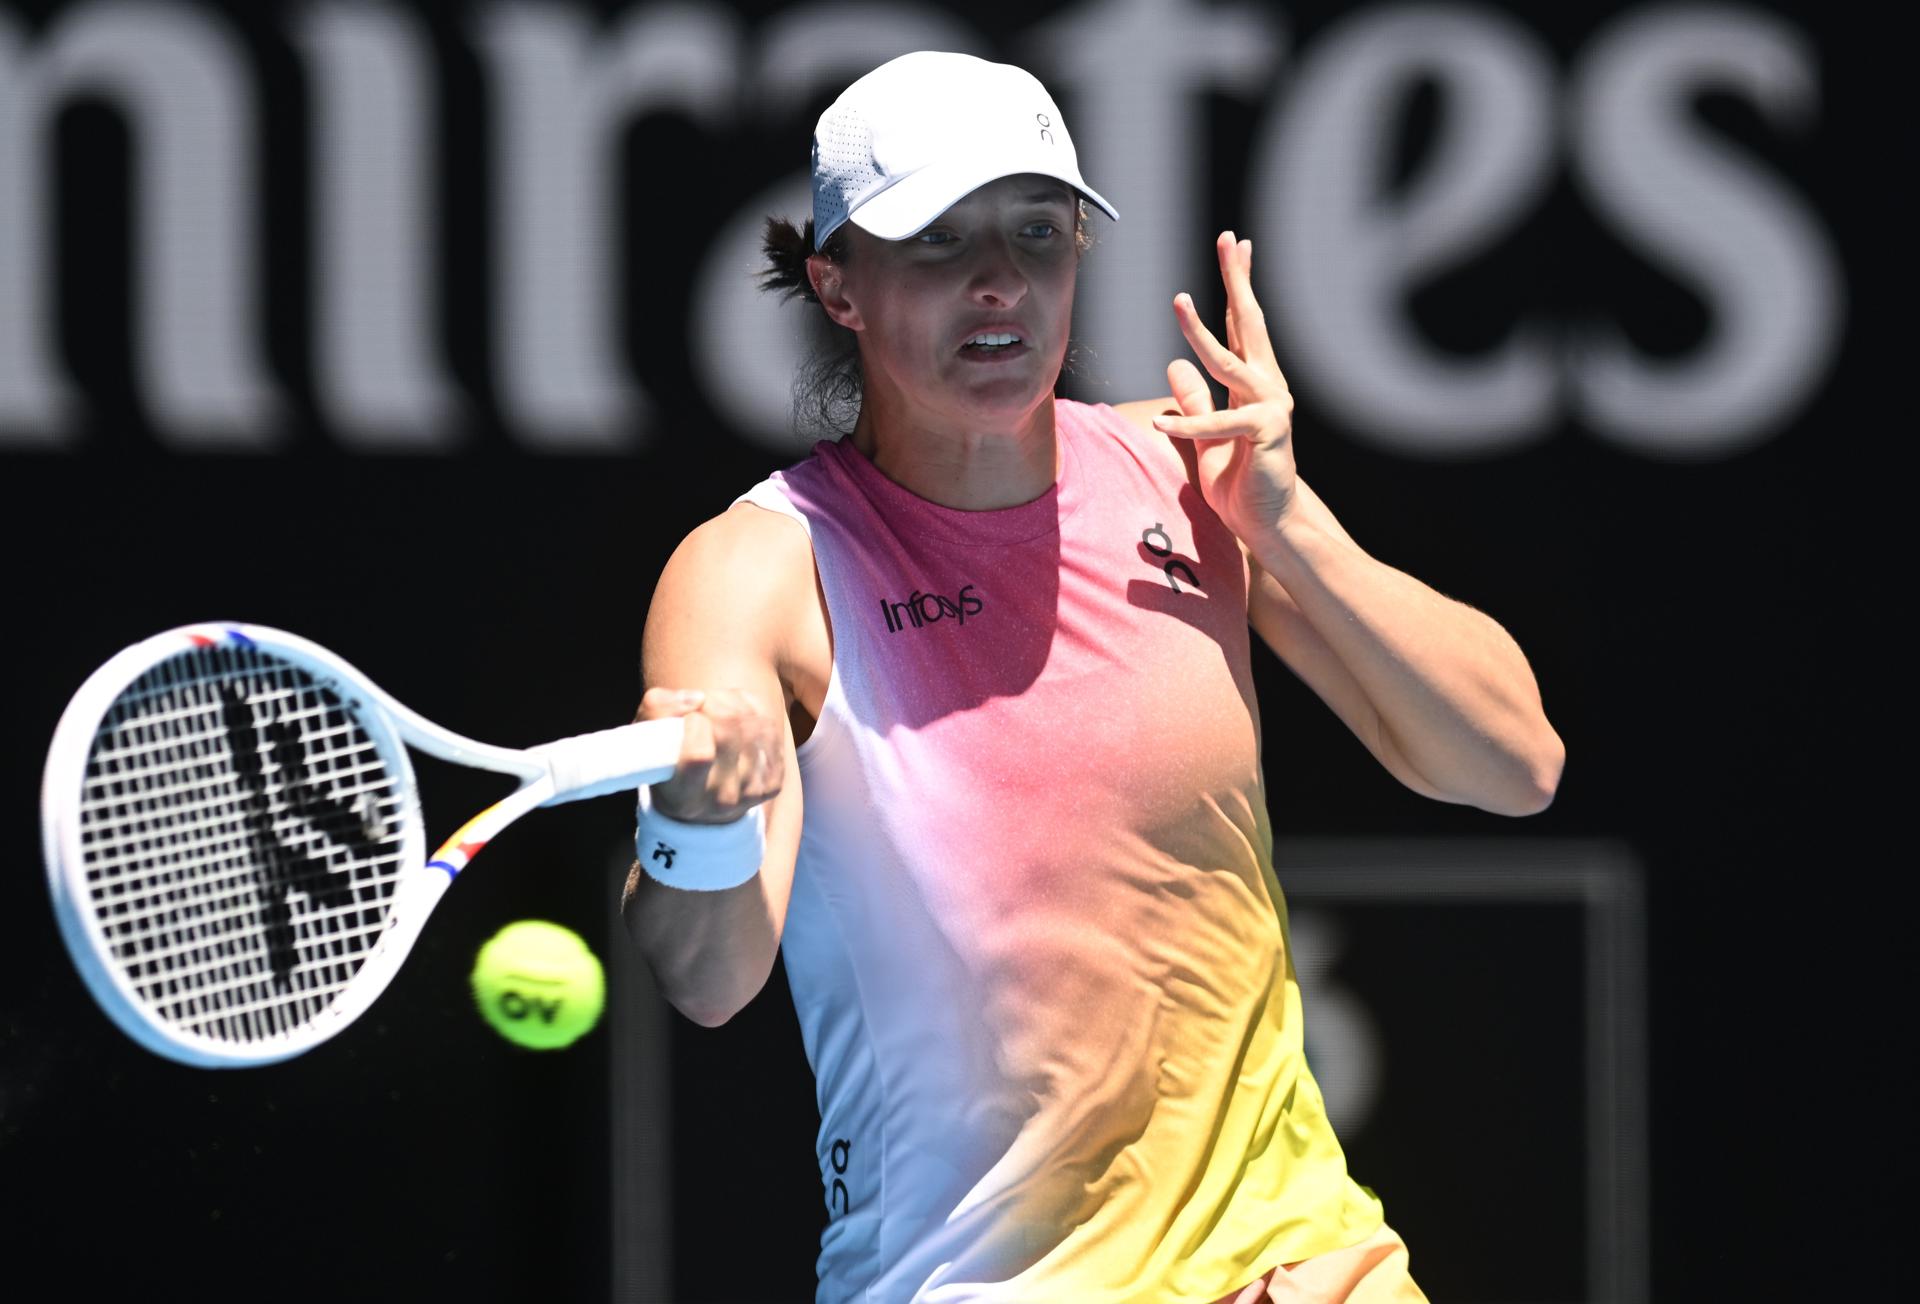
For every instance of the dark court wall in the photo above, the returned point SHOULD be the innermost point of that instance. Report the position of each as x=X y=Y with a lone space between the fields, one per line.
x=427 y=332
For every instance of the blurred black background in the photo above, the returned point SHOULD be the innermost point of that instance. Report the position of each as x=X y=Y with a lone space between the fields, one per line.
x=1701 y=603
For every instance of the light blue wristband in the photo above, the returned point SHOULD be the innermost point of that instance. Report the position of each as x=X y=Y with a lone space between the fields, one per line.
x=699 y=857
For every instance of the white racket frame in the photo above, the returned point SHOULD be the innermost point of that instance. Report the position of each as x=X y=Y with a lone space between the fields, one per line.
x=587 y=765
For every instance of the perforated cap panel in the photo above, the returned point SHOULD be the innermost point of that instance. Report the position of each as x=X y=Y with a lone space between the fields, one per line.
x=929 y=126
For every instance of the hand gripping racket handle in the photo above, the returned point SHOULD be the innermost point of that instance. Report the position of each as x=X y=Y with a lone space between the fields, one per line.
x=610 y=760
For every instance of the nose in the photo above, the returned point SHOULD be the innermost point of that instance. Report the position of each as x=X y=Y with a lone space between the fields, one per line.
x=997 y=280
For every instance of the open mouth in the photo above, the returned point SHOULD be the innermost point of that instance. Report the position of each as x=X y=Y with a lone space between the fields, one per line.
x=993 y=343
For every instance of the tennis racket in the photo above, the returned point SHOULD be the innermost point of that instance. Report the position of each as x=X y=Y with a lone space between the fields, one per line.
x=234 y=842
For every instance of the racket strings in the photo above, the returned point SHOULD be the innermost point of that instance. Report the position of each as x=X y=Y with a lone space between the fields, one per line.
x=242 y=837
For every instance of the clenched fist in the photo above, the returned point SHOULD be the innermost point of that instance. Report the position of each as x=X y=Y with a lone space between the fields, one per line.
x=731 y=759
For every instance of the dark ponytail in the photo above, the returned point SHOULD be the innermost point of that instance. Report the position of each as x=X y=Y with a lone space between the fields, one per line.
x=826 y=393
x=787 y=252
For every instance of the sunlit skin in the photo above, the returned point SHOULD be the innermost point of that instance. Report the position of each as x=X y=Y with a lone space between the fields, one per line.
x=1245 y=450
x=957 y=427
x=1438 y=692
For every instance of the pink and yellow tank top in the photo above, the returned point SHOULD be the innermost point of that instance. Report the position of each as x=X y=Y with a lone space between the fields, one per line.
x=1035 y=941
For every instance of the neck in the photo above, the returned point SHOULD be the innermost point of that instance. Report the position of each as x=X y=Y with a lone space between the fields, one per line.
x=966 y=467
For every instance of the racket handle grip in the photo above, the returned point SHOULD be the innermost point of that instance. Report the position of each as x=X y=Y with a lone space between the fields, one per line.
x=611 y=760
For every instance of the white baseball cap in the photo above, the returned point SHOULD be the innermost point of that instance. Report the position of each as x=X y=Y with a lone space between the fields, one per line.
x=916 y=135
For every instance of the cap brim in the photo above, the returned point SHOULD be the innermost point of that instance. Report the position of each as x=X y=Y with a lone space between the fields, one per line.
x=912 y=202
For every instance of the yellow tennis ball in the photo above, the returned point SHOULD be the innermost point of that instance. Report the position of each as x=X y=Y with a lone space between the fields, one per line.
x=539 y=985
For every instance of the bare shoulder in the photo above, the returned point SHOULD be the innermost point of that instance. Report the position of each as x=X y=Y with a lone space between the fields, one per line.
x=1141 y=412
x=738 y=577
x=746 y=546
x=741 y=594
x=1178 y=452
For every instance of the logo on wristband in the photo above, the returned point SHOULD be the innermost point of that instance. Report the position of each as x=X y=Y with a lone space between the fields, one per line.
x=661 y=851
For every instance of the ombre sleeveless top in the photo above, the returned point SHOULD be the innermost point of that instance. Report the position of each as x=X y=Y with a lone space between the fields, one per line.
x=1035 y=941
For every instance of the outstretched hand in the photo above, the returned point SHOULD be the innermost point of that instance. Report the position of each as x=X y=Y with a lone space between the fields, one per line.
x=1246 y=451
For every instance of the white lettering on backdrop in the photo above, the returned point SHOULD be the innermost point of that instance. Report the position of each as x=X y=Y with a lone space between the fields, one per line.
x=1341 y=255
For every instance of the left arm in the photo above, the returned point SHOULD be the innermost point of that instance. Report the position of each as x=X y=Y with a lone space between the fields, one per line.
x=1455 y=705
x=1438 y=691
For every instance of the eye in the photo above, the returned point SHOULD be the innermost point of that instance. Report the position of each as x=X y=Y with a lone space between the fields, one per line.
x=1043 y=230
x=935 y=237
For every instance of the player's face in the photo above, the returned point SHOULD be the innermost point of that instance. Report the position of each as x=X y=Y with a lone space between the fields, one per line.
x=969 y=317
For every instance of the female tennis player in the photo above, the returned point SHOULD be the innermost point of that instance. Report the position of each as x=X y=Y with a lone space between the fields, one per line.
x=972 y=740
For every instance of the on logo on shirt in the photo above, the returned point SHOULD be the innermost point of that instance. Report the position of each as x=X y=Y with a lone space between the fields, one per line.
x=1158 y=542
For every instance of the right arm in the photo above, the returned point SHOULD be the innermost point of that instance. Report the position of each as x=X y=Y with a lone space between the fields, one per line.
x=718 y=627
